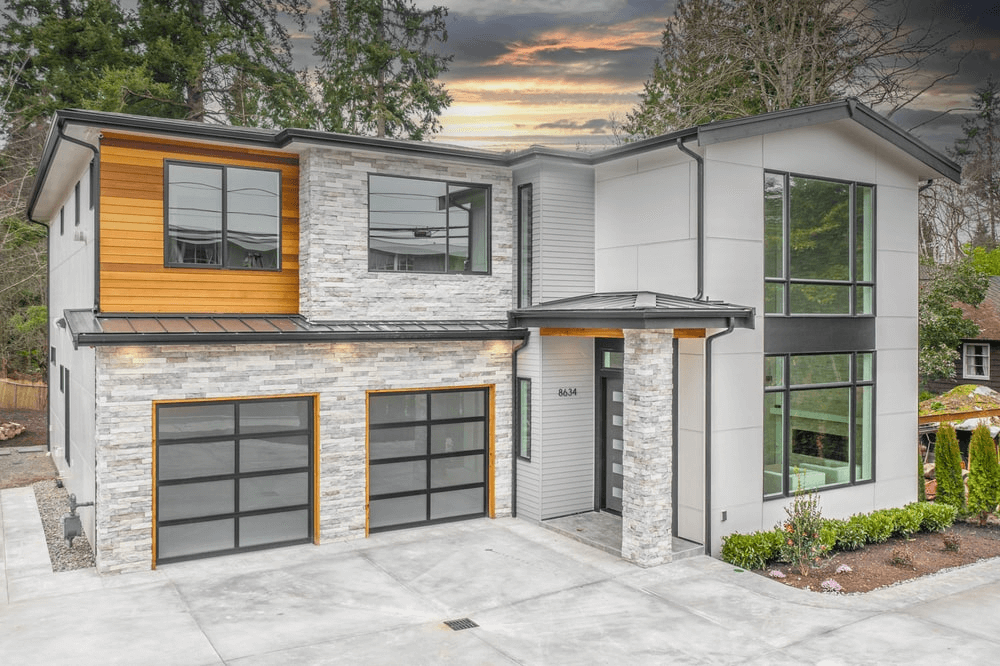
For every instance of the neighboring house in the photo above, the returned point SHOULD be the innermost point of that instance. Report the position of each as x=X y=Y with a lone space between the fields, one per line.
x=979 y=357
x=262 y=337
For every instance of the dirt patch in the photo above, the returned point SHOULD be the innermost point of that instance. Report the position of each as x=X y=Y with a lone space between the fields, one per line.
x=19 y=469
x=873 y=566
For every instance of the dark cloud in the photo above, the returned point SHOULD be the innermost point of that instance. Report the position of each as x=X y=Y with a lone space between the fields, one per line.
x=594 y=125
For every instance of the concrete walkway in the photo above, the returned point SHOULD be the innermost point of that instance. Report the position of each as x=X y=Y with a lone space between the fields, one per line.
x=538 y=598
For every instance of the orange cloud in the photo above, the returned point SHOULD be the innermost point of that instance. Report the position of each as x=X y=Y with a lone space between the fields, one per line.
x=621 y=37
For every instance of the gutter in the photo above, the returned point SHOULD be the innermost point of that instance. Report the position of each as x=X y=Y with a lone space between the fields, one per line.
x=701 y=216
x=708 y=434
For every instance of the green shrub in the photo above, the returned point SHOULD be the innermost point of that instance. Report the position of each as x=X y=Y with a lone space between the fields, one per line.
x=934 y=517
x=878 y=526
x=948 y=469
x=852 y=534
x=906 y=522
x=750 y=551
x=829 y=533
x=921 y=483
x=984 y=474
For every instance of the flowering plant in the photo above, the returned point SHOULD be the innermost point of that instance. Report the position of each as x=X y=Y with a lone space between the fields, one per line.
x=775 y=573
x=844 y=569
x=831 y=585
x=802 y=546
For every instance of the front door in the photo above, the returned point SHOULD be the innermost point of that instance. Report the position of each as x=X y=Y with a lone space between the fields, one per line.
x=610 y=431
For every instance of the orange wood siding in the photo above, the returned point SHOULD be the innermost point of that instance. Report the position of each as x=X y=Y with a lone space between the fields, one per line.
x=133 y=277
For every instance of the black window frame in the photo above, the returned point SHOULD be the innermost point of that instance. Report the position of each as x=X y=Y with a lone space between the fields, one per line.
x=429 y=490
x=62 y=220
x=786 y=389
x=76 y=204
x=525 y=235
x=237 y=475
x=488 y=235
x=224 y=168
x=522 y=395
x=854 y=284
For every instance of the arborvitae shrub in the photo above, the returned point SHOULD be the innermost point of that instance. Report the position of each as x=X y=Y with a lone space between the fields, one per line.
x=921 y=483
x=948 y=468
x=984 y=474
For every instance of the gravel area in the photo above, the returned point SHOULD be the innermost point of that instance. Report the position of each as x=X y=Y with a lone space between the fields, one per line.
x=53 y=504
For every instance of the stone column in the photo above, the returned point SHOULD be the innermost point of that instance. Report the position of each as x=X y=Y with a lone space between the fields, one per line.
x=647 y=502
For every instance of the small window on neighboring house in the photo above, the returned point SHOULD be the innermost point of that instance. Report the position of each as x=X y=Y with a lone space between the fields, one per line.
x=522 y=418
x=427 y=226
x=76 y=205
x=976 y=361
x=222 y=217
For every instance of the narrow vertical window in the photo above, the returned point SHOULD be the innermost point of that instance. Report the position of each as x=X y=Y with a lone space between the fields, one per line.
x=62 y=220
x=523 y=418
x=524 y=235
x=76 y=204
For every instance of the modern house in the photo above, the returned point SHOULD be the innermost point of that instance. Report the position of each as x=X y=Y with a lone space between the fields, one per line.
x=979 y=357
x=264 y=337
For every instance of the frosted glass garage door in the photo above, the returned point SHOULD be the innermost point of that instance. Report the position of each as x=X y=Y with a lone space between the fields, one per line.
x=233 y=476
x=427 y=457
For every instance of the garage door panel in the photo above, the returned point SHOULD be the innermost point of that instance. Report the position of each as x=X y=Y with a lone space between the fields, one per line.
x=196 y=459
x=397 y=511
x=274 y=416
x=397 y=442
x=456 y=405
x=196 y=500
x=272 y=453
x=194 y=538
x=452 y=437
x=457 y=503
x=399 y=408
x=457 y=471
x=195 y=420
x=274 y=492
x=274 y=527
x=400 y=477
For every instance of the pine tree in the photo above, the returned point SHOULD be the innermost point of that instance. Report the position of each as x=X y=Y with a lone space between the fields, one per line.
x=948 y=468
x=378 y=74
x=984 y=474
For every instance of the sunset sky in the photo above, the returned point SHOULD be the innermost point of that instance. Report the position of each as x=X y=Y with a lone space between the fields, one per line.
x=553 y=72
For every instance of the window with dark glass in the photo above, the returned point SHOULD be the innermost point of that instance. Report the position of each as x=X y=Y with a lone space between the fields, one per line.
x=522 y=417
x=818 y=421
x=222 y=216
x=976 y=360
x=819 y=248
x=427 y=226
x=524 y=235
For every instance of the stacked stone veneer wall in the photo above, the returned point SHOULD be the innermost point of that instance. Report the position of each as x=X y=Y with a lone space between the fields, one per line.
x=130 y=379
x=648 y=455
x=334 y=280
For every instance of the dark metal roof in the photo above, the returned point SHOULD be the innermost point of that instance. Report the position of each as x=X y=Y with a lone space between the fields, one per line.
x=160 y=329
x=633 y=309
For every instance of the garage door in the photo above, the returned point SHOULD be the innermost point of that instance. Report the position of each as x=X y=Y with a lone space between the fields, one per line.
x=233 y=476
x=427 y=457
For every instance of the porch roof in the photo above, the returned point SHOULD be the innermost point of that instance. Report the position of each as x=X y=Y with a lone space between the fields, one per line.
x=632 y=309
x=91 y=329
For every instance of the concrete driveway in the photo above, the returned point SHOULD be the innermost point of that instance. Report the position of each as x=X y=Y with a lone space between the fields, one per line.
x=537 y=597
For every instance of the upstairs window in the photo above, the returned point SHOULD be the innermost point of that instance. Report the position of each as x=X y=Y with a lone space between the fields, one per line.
x=222 y=217
x=819 y=247
x=427 y=226
x=975 y=361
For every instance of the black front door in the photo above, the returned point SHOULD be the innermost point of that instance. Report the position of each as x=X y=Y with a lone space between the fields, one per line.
x=610 y=431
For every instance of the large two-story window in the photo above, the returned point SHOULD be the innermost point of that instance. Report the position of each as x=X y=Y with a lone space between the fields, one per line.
x=819 y=256
x=222 y=216
x=818 y=421
x=427 y=226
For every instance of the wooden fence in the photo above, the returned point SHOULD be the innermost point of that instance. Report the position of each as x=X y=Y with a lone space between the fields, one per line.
x=22 y=395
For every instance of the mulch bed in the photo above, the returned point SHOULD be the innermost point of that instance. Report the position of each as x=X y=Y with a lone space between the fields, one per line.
x=22 y=469
x=872 y=566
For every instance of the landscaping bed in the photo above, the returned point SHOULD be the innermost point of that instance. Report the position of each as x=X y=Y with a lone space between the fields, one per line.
x=872 y=567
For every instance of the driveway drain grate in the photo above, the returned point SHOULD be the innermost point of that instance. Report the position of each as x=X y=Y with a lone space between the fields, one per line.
x=458 y=625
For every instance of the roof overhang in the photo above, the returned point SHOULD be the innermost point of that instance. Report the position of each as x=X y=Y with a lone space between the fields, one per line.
x=632 y=310
x=92 y=330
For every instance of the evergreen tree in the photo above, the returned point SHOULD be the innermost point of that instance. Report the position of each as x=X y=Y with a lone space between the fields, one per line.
x=948 y=468
x=979 y=152
x=729 y=58
x=984 y=474
x=378 y=74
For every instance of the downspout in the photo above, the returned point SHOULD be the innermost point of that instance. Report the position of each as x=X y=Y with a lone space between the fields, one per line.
x=514 y=426
x=701 y=216
x=928 y=184
x=708 y=434
x=95 y=203
x=48 y=332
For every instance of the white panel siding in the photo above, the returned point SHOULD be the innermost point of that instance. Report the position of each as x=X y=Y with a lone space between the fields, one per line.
x=529 y=477
x=565 y=445
x=564 y=228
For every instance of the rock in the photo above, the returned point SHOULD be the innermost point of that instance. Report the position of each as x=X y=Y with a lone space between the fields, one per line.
x=929 y=471
x=10 y=430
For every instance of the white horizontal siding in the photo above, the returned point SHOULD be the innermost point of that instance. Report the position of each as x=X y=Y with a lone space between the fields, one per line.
x=529 y=471
x=565 y=228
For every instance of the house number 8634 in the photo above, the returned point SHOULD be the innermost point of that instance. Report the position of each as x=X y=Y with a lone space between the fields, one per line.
x=566 y=392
